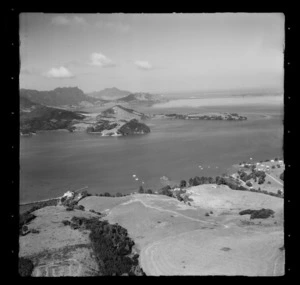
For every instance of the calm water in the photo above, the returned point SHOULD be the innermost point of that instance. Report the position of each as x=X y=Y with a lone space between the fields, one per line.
x=53 y=162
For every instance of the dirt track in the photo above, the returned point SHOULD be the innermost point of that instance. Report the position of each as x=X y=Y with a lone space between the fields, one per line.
x=218 y=245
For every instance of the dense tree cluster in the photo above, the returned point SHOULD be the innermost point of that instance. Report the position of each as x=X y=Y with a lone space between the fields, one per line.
x=111 y=244
x=134 y=127
x=166 y=191
x=255 y=174
x=258 y=214
x=201 y=180
x=182 y=184
x=25 y=218
x=25 y=267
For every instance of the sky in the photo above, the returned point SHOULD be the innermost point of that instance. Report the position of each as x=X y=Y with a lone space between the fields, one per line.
x=156 y=53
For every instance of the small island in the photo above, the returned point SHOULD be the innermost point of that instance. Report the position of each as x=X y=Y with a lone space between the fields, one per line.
x=204 y=116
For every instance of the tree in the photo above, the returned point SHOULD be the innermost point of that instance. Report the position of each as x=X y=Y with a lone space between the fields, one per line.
x=119 y=194
x=249 y=184
x=191 y=181
x=211 y=180
x=182 y=183
x=282 y=176
x=197 y=181
x=149 y=191
x=25 y=267
x=261 y=180
x=141 y=189
x=107 y=194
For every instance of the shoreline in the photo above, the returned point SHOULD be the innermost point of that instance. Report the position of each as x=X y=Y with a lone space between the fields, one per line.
x=241 y=165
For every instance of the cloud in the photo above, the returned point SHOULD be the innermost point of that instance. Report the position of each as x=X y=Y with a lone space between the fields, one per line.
x=68 y=20
x=116 y=26
x=60 y=72
x=142 y=64
x=99 y=59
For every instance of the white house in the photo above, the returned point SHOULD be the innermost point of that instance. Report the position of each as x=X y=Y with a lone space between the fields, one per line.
x=69 y=194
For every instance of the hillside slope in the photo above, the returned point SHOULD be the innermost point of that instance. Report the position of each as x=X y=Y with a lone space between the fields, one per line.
x=119 y=112
x=36 y=117
x=109 y=94
x=141 y=98
x=57 y=97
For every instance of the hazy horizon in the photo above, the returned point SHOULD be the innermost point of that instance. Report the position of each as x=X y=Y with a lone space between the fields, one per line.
x=156 y=53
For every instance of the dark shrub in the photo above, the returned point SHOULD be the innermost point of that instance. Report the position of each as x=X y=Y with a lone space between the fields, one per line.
x=141 y=189
x=166 y=191
x=66 y=222
x=278 y=166
x=273 y=166
x=261 y=180
x=182 y=184
x=241 y=188
x=119 y=194
x=70 y=208
x=34 y=231
x=258 y=214
x=282 y=176
x=249 y=184
x=79 y=207
x=149 y=191
x=269 y=182
x=206 y=214
x=25 y=219
x=106 y=194
x=25 y=267
x=262 y=214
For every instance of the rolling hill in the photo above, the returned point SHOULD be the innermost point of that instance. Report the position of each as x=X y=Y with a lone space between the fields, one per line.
x=35 y=117
x=119 y=112
x=138 y=98
x=57 y=97
x=109 y=94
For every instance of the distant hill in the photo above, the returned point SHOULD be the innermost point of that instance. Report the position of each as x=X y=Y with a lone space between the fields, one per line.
x=57 y=97
x=26 y=104
x=121 y=113
x=141 y=98
x=35 y=117
x=109 y=94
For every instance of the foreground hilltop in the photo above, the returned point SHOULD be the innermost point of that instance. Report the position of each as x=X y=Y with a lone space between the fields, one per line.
x=208 y=229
